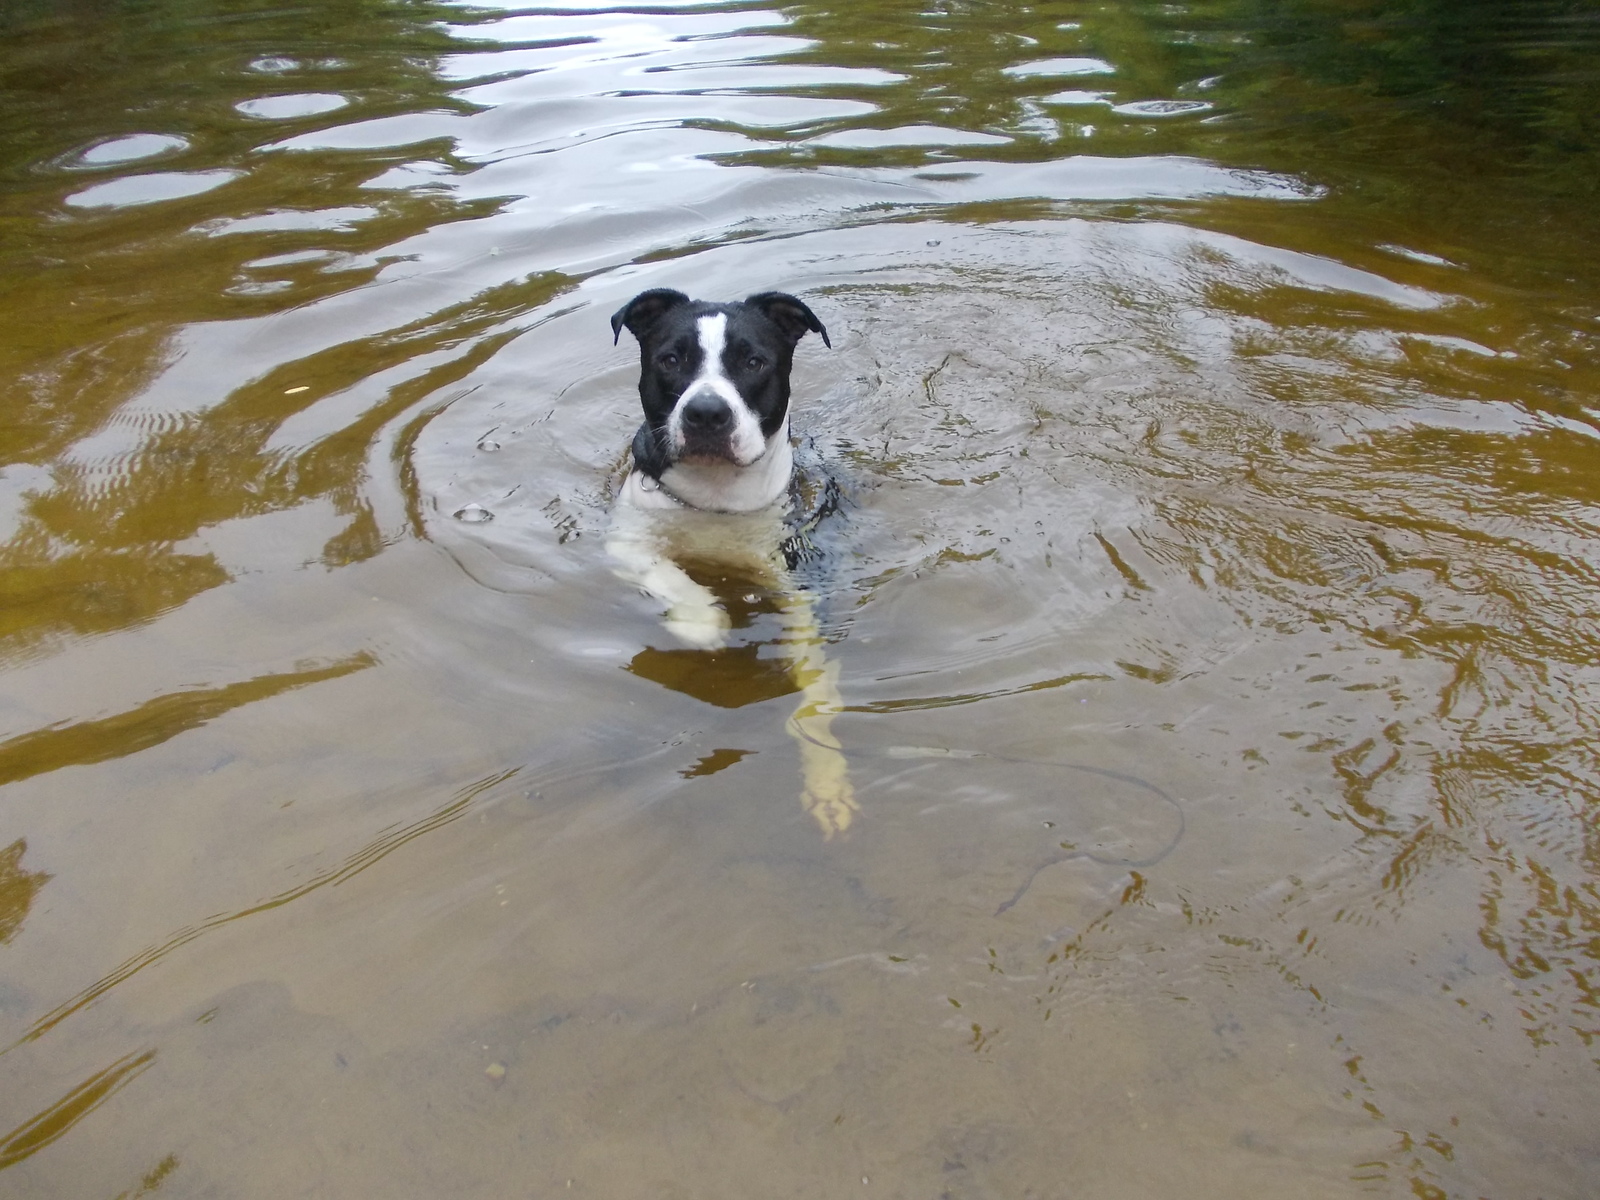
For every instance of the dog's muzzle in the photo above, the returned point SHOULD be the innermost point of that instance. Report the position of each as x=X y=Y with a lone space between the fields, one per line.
x=707 y=423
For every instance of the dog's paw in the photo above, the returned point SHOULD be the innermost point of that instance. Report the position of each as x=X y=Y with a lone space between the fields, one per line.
x=703 y=626
x=827 y=793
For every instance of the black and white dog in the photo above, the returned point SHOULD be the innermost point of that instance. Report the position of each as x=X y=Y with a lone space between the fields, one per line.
x=711 y=481
x=714 y=381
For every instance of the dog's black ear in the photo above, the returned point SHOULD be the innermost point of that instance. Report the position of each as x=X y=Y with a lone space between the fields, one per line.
x=643 y=311
x=790 y=315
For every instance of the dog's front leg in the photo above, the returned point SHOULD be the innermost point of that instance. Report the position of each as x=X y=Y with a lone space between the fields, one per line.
x=826 y=792
x=693 y=613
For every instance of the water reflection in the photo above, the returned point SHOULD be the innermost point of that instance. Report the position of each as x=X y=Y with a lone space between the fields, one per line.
x=18 y=888
x=148 y=725
x=1212 y=621
x=149 y=189
x=728 y=678
x=57 y=1120
x=132 y=148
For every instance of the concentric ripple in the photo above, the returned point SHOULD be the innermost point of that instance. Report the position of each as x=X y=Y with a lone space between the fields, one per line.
x=1207 y=624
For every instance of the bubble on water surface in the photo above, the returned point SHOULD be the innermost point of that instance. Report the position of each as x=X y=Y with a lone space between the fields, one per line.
x=473 y=514
x=488 y=445
x=299 y=104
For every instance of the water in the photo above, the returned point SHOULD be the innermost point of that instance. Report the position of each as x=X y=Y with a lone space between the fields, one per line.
x=1213 y=606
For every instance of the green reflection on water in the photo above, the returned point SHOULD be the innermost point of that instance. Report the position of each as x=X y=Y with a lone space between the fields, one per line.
x=1471 y=126
x=89 y=300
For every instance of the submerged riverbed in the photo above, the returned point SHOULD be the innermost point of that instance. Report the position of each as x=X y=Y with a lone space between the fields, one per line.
x=1215 y=604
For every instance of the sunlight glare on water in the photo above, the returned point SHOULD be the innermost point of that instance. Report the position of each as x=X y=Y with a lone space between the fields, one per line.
x=1211 y=600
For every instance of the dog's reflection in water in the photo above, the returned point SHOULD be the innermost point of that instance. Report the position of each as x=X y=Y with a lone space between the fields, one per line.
x=719 y=572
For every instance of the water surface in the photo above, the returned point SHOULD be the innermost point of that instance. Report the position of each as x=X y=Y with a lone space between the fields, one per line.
x=1214 y=604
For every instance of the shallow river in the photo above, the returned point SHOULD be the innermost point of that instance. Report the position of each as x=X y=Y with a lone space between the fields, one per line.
x=1214 y=604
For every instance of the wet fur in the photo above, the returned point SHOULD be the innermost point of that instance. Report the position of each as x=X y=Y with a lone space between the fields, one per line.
x=710 y=479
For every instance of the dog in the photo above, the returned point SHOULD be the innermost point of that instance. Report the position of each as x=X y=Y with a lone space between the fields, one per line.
x=714 y=382
x=712 y=481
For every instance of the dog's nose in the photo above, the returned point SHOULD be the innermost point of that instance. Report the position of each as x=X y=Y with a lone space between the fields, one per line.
x=707 y=414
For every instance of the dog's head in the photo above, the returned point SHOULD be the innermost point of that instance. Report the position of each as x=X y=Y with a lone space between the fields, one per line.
x=713 y=378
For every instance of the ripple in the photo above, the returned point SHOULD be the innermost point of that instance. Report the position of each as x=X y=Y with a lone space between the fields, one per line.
x=1421 y=256
x=1075 y=97
x=150 y=189
x=380 y=133
x=287 y=108
x=293 y=259
x=1271 y=531
x=326 y=220
x=1050 y=67
x=258 y=287
x=135 y=147
x=19 y=482
x=906 y=135
x=1090 y=177
x=1161 y=108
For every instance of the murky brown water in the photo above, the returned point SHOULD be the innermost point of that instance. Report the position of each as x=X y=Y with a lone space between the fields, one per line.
x=1216 y=605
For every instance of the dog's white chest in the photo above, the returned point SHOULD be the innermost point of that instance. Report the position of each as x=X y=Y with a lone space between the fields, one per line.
x=717 y=487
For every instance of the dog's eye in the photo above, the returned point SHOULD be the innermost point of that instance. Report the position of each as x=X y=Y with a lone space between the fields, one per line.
x=755 y=362
x=668 y=360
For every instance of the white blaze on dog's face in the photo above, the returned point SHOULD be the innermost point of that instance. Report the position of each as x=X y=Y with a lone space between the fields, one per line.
x=712 y=421
x=714 y=385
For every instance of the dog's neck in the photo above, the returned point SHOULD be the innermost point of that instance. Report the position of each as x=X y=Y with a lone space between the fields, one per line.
x=715 y=487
